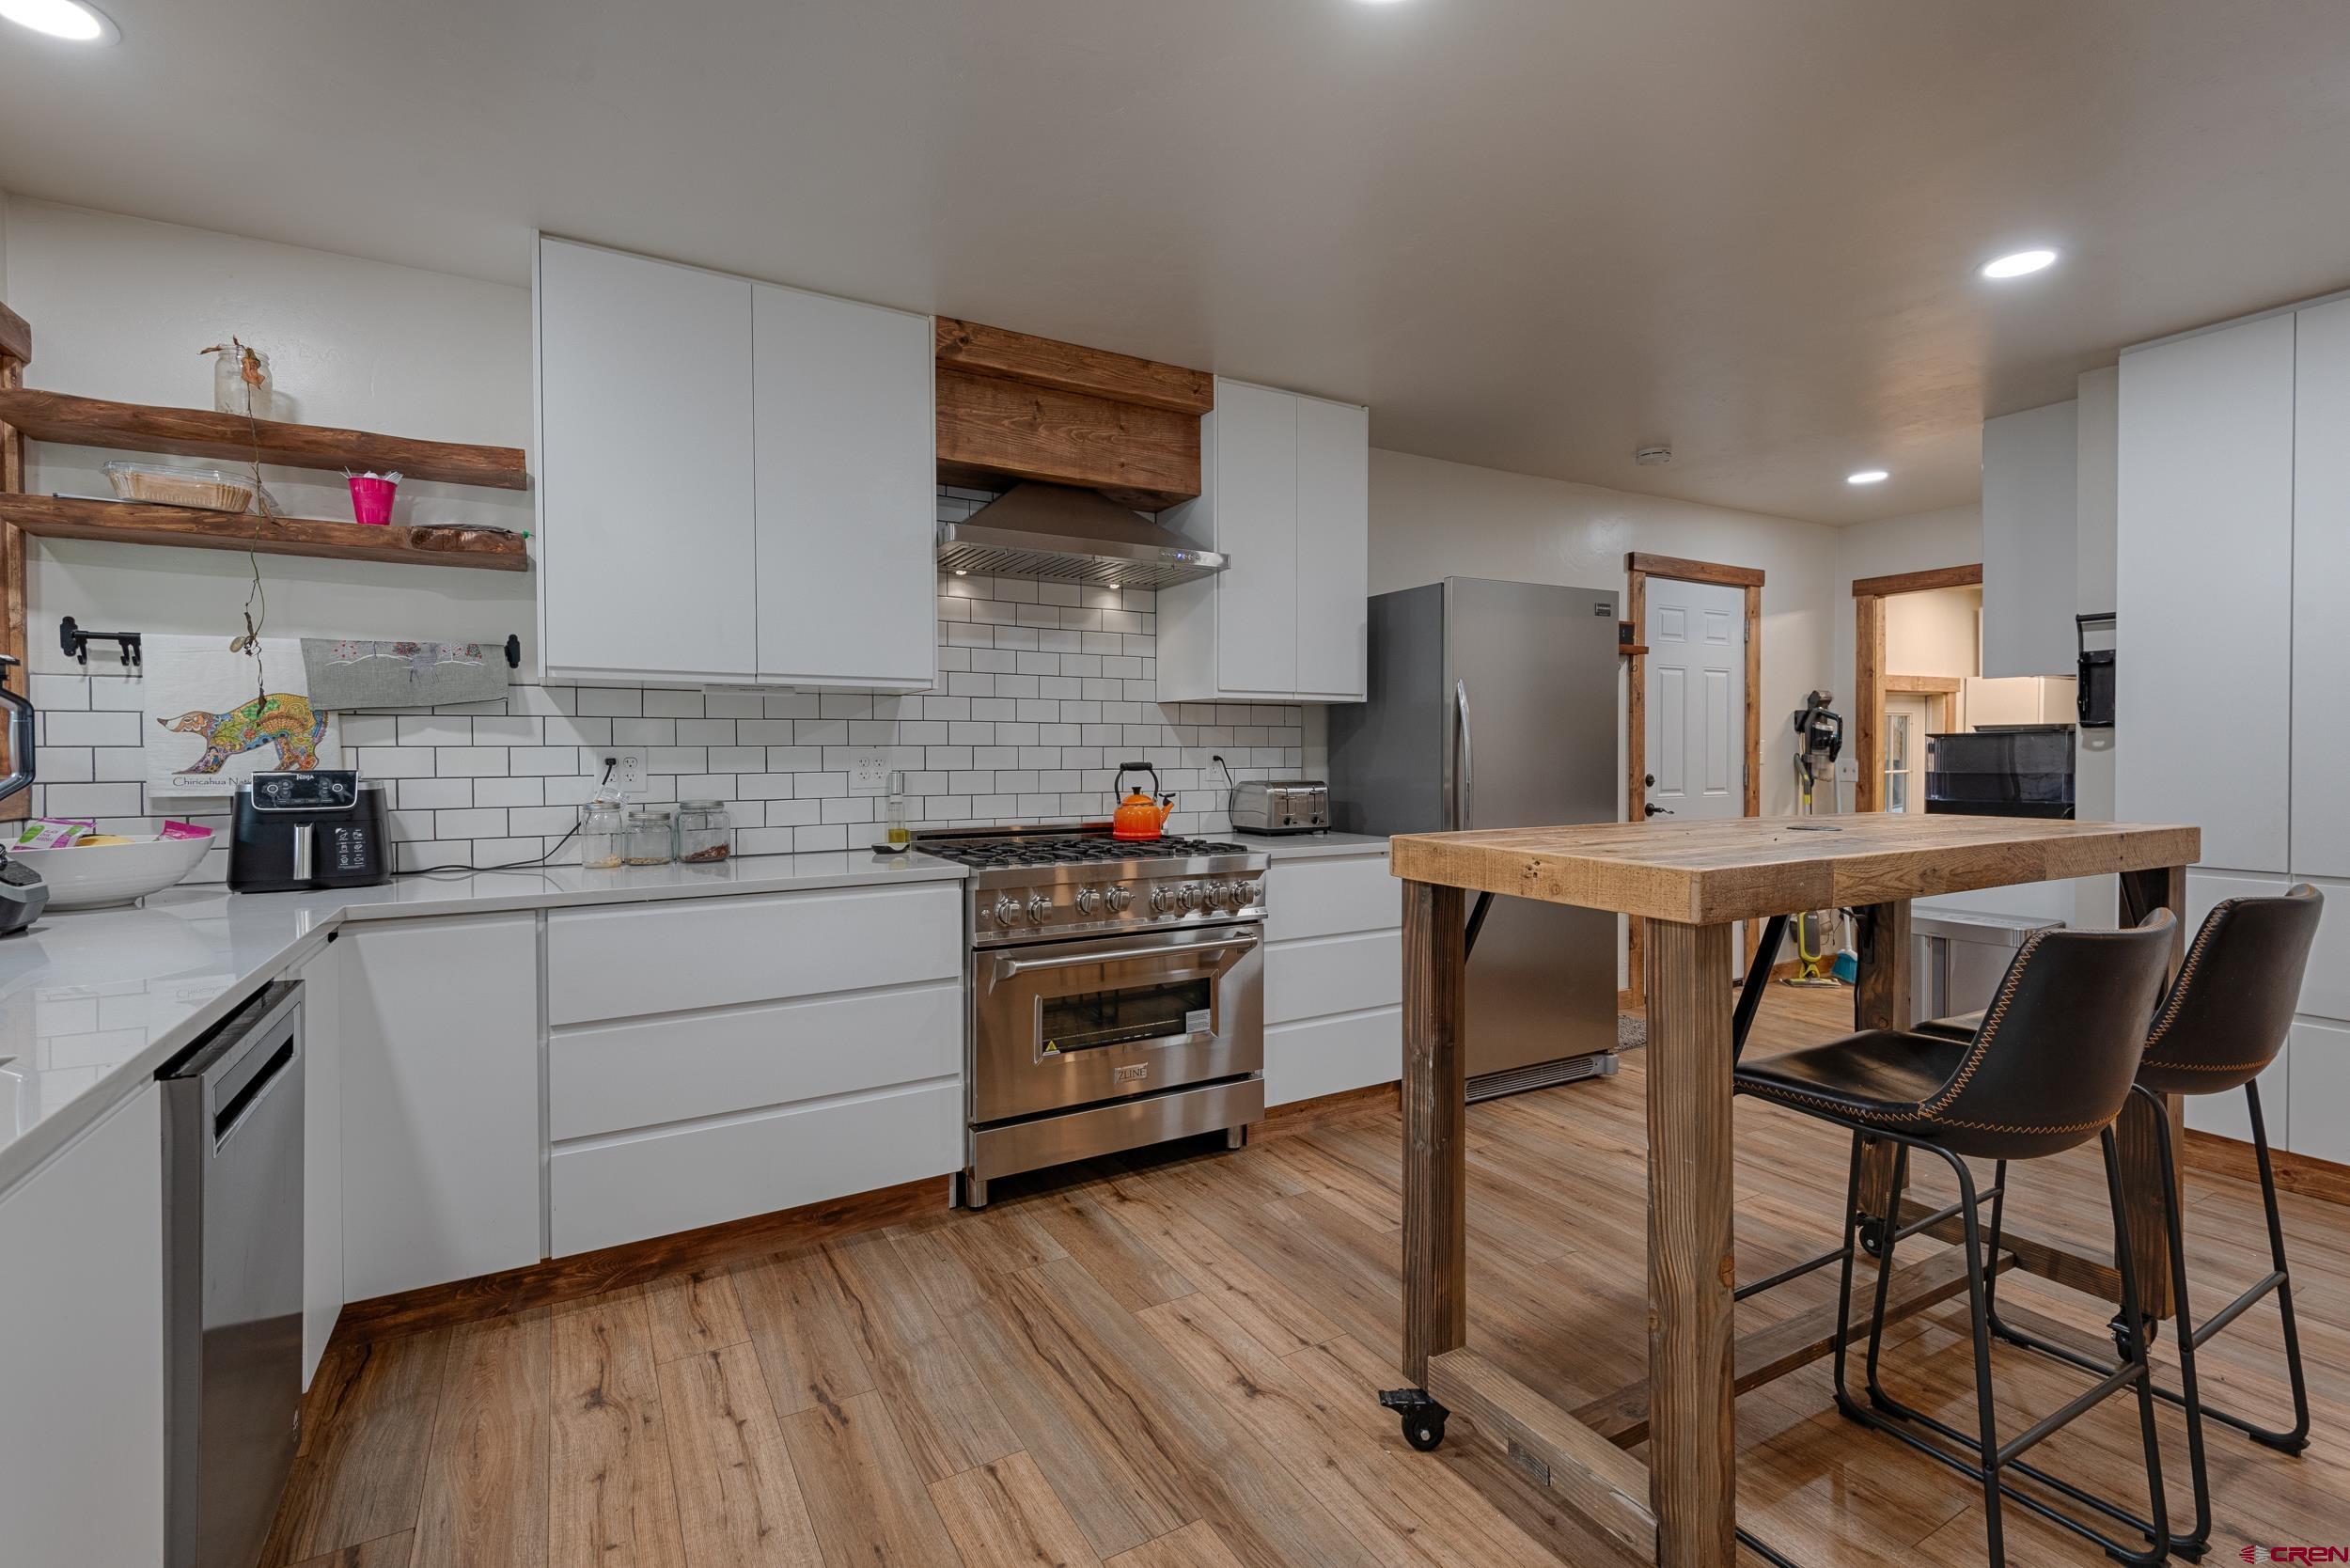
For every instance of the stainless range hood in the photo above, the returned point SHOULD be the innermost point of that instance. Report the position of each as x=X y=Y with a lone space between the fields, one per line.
x=1071 y=536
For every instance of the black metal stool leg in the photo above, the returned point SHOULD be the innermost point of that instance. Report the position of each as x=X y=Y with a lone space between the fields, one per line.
x=2298 y=1439
x=2192 y=1544
x=2134 y=1317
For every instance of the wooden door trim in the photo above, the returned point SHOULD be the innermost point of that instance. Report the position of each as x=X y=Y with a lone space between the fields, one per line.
x=1920 y=582
x=1638 y=568
x=1870 y=680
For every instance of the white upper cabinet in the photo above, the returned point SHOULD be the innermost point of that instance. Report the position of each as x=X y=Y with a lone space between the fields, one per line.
x=647 y=554
x=2203 y=559
x=2321 y=566
x=737 y=480
x=1333 y=546
x=1285 y=492
x=847 y=491
x=2029 y=499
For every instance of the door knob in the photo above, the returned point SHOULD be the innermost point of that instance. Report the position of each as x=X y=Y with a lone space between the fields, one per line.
x=1654 y=810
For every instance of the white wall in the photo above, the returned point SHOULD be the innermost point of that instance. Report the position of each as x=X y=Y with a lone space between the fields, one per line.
x=2030 y=491
x=1917 y=541
x=1934 y=633
x=1432 y=520
x=120 y=308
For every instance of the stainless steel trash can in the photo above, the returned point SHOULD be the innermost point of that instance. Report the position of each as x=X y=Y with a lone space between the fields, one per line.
x=1957 y=956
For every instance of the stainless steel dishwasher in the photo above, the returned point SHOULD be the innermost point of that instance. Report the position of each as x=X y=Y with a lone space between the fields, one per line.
x=232 y=1280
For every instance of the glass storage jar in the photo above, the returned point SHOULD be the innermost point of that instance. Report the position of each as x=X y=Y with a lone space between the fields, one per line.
x=652 y=837
x=704 y=832
x=601 y=830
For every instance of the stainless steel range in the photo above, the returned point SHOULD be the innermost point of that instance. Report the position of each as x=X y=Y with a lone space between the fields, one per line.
x=1117 y=994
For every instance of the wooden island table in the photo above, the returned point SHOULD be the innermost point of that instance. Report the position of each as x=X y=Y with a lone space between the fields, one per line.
x=1691 y=882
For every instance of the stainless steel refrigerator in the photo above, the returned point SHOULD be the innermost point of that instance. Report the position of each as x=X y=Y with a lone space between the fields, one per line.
x=1492 y=704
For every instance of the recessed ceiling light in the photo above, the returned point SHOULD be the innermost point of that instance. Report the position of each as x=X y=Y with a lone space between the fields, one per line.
x=1867 y=475
x=69 y=19
x=2018 y=264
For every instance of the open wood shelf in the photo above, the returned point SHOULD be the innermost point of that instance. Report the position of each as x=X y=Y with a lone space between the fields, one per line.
x=138 y=522
x=230 y=437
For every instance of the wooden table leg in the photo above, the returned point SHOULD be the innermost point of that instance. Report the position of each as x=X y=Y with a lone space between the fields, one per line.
x=1691 y=1266
x=1882 y=999
x=1435 y=1117
x=2142 y=893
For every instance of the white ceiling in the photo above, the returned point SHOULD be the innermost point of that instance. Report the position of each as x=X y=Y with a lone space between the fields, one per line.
x=1531 y=235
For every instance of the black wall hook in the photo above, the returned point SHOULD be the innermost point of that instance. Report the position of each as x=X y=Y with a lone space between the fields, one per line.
x=75 y=643
x=513 y=651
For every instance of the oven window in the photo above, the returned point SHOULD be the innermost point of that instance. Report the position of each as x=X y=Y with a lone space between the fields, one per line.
x=1089 y=1020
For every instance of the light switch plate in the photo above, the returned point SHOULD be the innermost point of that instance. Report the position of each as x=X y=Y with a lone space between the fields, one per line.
x=1848 y=770
x=869 y=773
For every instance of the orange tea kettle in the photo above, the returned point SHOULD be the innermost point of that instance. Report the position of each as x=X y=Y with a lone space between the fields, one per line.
x=1138 y=815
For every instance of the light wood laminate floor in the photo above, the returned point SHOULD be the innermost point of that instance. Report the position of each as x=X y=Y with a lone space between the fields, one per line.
x=1169 y=1363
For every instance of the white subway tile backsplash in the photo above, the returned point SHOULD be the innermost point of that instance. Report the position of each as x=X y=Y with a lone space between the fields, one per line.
x=1044 y=689
x=69 y=728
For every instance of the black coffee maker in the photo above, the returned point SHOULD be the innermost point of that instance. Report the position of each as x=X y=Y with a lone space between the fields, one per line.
x=324 y=828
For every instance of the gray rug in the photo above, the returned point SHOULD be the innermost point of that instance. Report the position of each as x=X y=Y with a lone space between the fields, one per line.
x=1630 y=1030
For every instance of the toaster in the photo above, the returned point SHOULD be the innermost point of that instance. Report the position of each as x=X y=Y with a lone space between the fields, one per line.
x=1295 y=806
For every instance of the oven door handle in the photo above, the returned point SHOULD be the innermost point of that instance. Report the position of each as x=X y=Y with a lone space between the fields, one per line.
x=1007 y=968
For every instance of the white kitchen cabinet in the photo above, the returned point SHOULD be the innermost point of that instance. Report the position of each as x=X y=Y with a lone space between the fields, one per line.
x=847 y=465
x=321 y=974
x=737 y=480
x=441 y=1136
x=2205 y=573
x=1333 y=976
x=1333 y=546
x=647 y=559
x=2029 y=501
x=2320 y=1121
x=1285 y=492
x=722 y=952
x=82 y=1371
x=2321 y=568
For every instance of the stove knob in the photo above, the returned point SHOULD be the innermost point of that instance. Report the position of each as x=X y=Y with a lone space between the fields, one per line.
x=1191 y=896
x=1162 y=901
x=1219 y=894
x=1040 y=907
x=1246 y=893
x=1006 y=909
x=1088 y=900
x=1119 y=897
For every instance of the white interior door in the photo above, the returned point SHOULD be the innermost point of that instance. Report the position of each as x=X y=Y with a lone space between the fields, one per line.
x=1697 y=700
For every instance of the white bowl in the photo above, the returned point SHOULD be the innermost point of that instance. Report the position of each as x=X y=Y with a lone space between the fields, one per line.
x=92 y=876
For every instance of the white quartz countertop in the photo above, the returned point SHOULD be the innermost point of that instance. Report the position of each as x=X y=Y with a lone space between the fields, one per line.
x=1309 y=846
x=92 y=1002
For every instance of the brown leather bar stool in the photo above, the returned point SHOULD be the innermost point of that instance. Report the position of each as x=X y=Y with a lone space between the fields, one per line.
x=2050 y=1068
x=2220 y=1027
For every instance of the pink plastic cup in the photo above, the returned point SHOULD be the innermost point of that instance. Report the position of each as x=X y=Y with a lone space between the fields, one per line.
x=371 y=498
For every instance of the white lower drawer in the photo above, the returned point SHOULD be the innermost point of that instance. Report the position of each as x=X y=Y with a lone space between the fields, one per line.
x=638 y=959
x=1322 y=898
x=652 y=1183
x=1328 y=1056
x=1332 y=974
x=605 y=1077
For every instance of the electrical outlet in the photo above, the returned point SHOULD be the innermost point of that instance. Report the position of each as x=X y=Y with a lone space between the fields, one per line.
x=628 y=768
x=869 y=773
x=1848 y=770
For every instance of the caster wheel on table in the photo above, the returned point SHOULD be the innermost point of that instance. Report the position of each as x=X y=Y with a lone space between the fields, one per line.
x=1423 y=1417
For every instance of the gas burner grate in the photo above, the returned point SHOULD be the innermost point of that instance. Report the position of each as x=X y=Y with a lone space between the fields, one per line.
x=990 y=854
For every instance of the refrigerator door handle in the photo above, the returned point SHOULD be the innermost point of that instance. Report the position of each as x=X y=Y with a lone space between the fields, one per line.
x=1462 y=786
